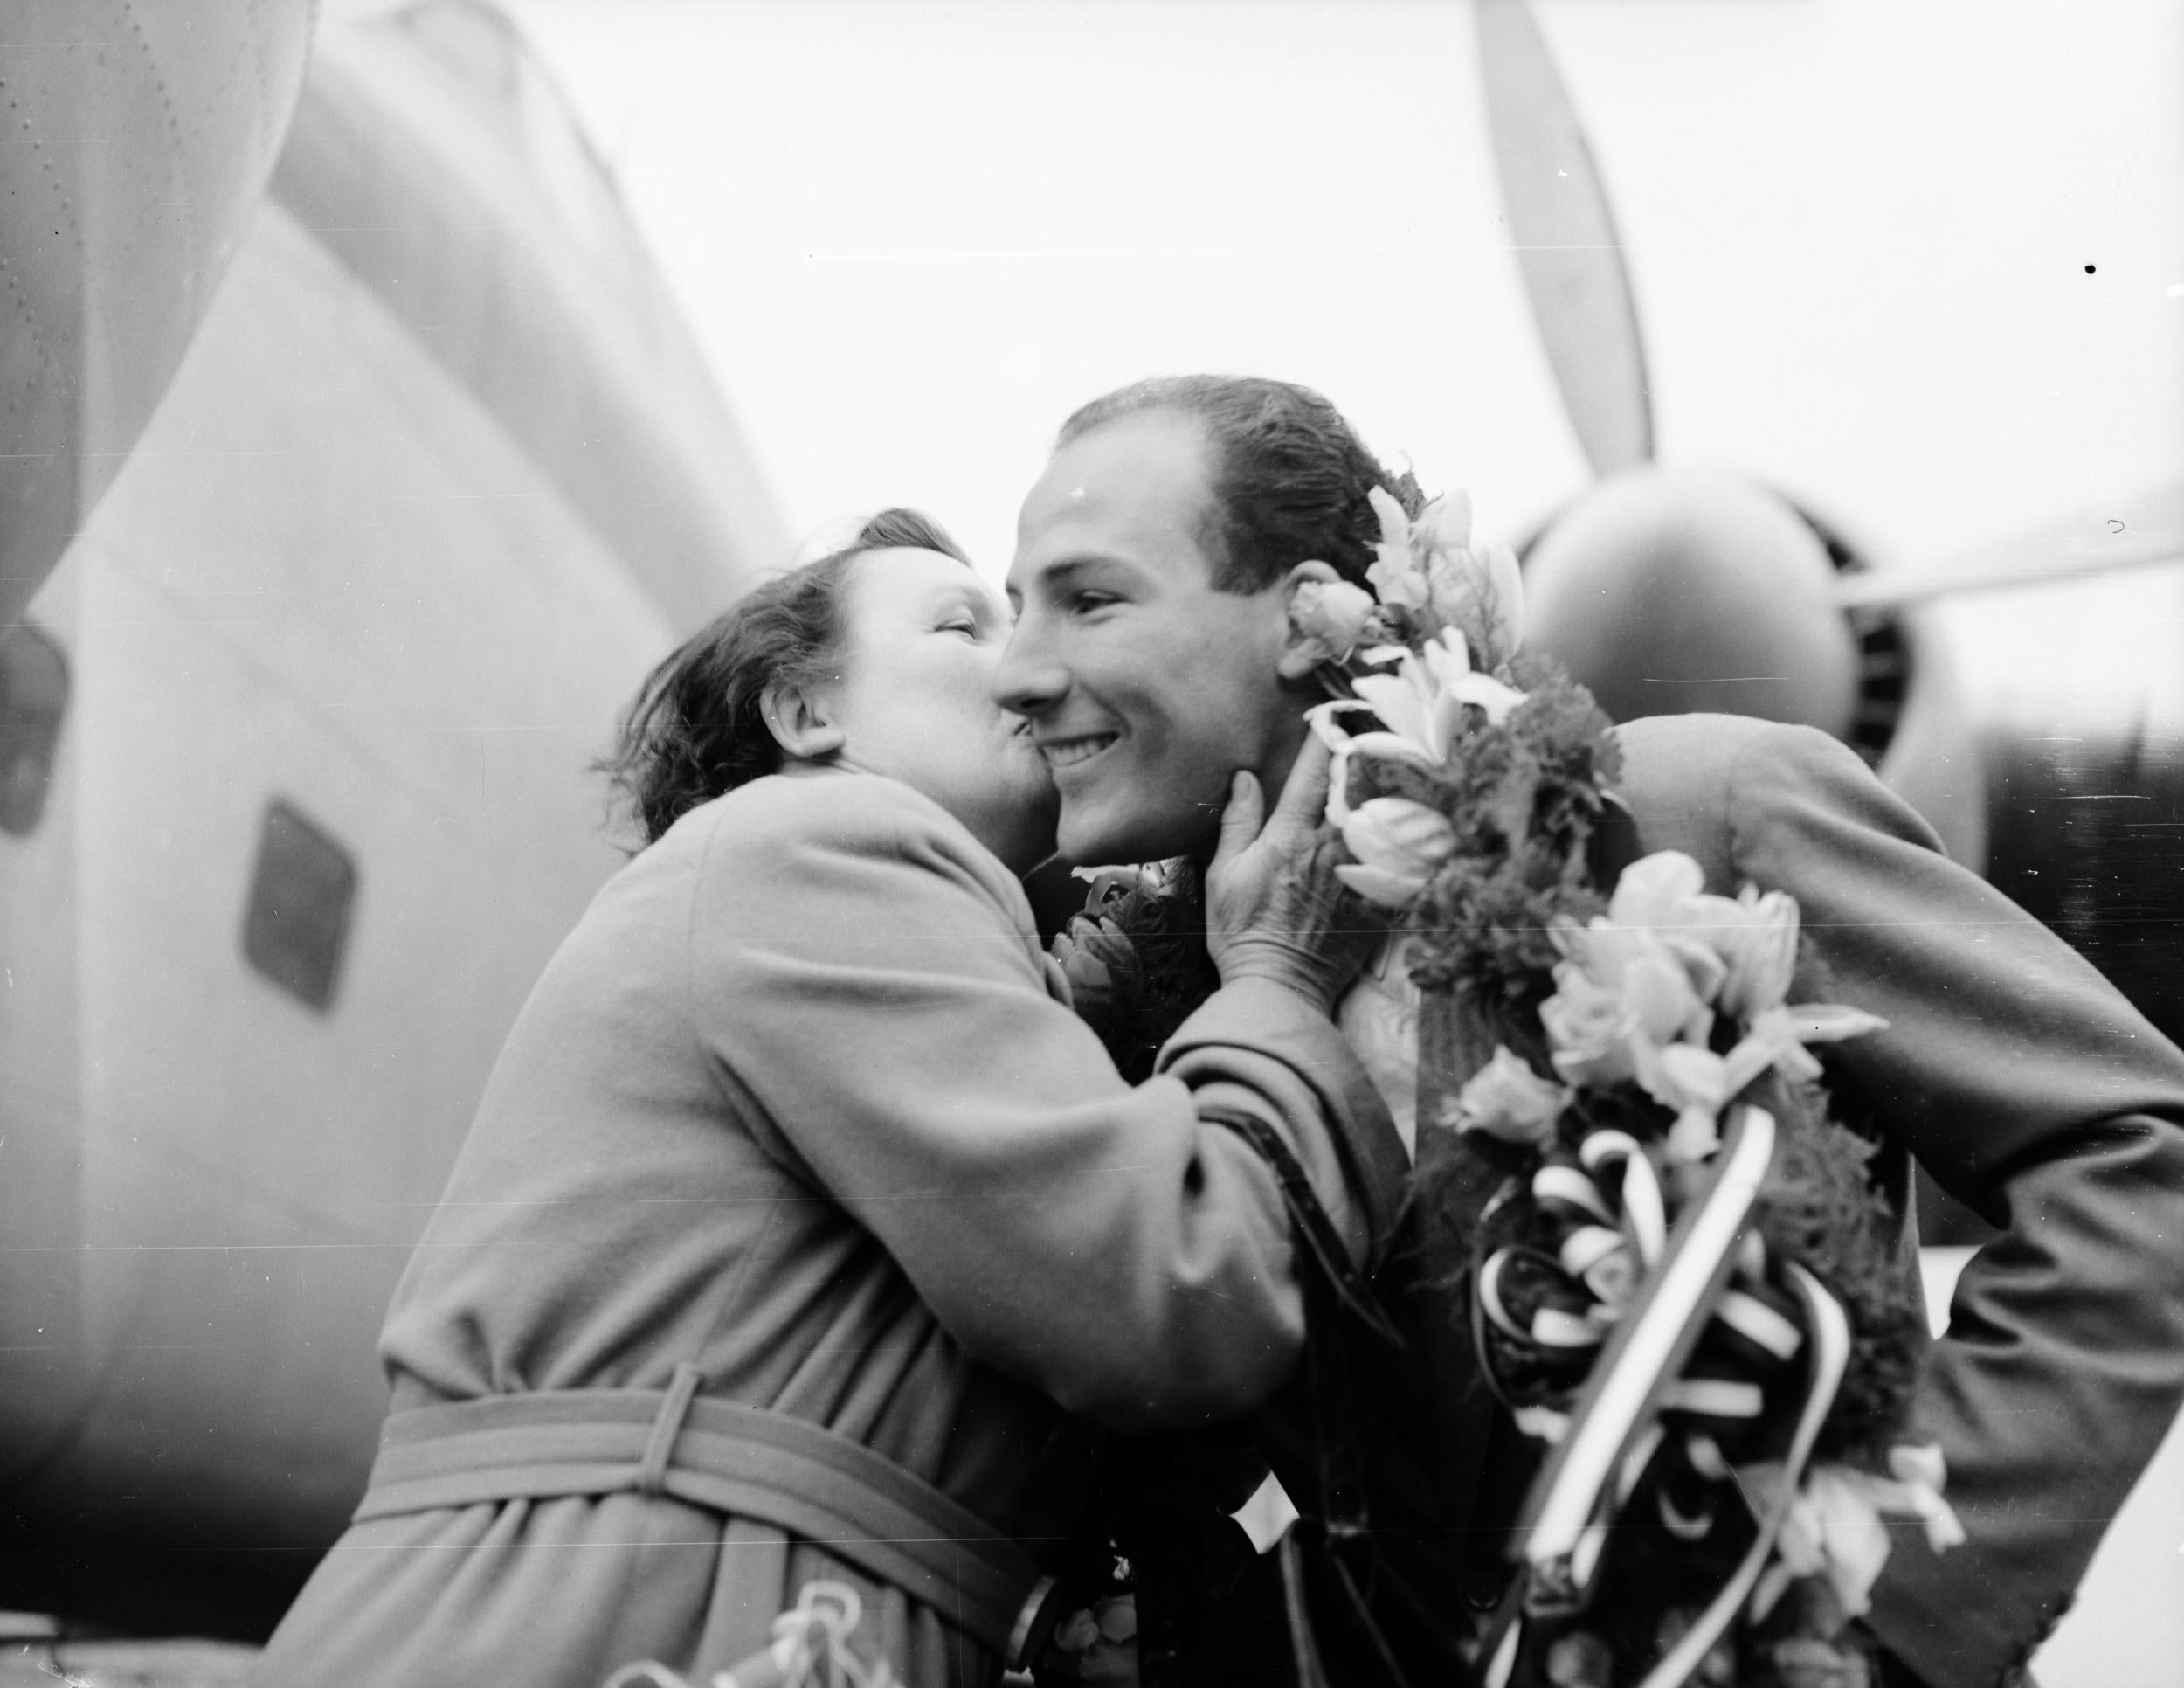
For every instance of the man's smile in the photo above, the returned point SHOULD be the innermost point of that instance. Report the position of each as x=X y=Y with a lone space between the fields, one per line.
x=1074 y=750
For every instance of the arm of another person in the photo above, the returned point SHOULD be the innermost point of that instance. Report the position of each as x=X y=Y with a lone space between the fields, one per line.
x=2036 y=1094
x=868 y=982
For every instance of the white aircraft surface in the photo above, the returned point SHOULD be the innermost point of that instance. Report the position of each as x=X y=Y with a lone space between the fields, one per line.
x=371 y=461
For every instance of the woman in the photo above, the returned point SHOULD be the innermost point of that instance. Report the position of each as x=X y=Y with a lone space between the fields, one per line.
x=800 y=1215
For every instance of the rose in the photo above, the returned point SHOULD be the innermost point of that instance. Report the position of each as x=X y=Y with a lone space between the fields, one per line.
x=1591 y=1029
x=1330 y=617
x=1653 y=979
x=1506 y=1099
x=1097 y=959
x=1740 y=951
x=1657 y=892
x=1664 y=895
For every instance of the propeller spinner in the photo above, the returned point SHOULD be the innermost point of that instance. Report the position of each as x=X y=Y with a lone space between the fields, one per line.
x=1670 y=591
x=1676 y=590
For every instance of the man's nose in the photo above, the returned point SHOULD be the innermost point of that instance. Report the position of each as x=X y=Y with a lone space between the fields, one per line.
x=1029 y=682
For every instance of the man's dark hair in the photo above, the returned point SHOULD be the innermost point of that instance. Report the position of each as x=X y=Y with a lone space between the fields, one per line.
x=1291 y=479
x=697 y=727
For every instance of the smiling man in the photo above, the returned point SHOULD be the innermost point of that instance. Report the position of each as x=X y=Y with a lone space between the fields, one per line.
x=1152 y=651
x=1153 y=656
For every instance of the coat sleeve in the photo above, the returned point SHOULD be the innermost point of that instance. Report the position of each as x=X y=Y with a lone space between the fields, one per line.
x=865 y=979
x=2033 y=1091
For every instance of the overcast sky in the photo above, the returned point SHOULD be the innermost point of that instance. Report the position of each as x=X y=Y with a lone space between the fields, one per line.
x=913 y=235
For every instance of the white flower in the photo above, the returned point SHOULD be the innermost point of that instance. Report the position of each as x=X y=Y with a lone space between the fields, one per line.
x=1921 y=1474
x=1655 y=891
x=1443 y=525
x=1694 y=1081
x=1430 y=565
x=1835 y=1523
x=1329 y=615
x=1778 y=1038
x=1664 y=895
x=1591 y=1029
x=1398 y=844
x=1651 y=977
x=1663 y=951
x=1448 y=657
x=1758 y=945
x=1415 y=706
x=1395 y=574
x=1833 y=1528
x=1505 y=628
x=1420 y=705
x=1506 y=1099
x=1741 y=951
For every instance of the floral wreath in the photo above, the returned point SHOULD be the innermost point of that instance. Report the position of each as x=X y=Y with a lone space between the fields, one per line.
x=1674 y=1267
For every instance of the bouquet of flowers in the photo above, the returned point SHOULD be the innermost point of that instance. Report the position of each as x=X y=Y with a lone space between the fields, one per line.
x=1136 y=958
x=1664 y=1242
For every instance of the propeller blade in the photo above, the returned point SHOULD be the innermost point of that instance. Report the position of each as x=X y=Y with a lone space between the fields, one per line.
x=2137 y=532
x=1566 y=244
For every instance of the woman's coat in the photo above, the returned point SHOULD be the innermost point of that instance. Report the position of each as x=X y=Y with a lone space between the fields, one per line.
x=801 y=1103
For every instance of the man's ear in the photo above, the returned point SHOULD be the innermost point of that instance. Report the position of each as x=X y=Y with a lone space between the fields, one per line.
x=1301 y=653
x=800 y=718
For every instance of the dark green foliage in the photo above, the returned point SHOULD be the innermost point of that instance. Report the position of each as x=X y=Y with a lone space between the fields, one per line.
x=1820 y=1207
x=1524 y=796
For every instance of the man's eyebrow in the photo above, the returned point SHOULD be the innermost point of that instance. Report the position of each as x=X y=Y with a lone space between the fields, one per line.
x=1065 y=570
x=1059 y=575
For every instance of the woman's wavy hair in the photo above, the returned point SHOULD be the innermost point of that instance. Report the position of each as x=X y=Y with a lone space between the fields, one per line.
x=697 y=727
x=1292 y=481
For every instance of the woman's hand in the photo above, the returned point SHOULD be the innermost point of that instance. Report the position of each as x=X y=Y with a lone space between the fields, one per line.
x=1274 y=907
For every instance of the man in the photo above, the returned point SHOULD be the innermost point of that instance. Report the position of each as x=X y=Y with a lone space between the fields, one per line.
x=1153 y=655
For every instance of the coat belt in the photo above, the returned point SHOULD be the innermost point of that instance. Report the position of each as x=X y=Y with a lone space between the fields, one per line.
x=721 y=1454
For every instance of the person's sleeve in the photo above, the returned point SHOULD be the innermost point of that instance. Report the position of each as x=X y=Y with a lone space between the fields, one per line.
x=867 y=985
x=2034 y=1092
